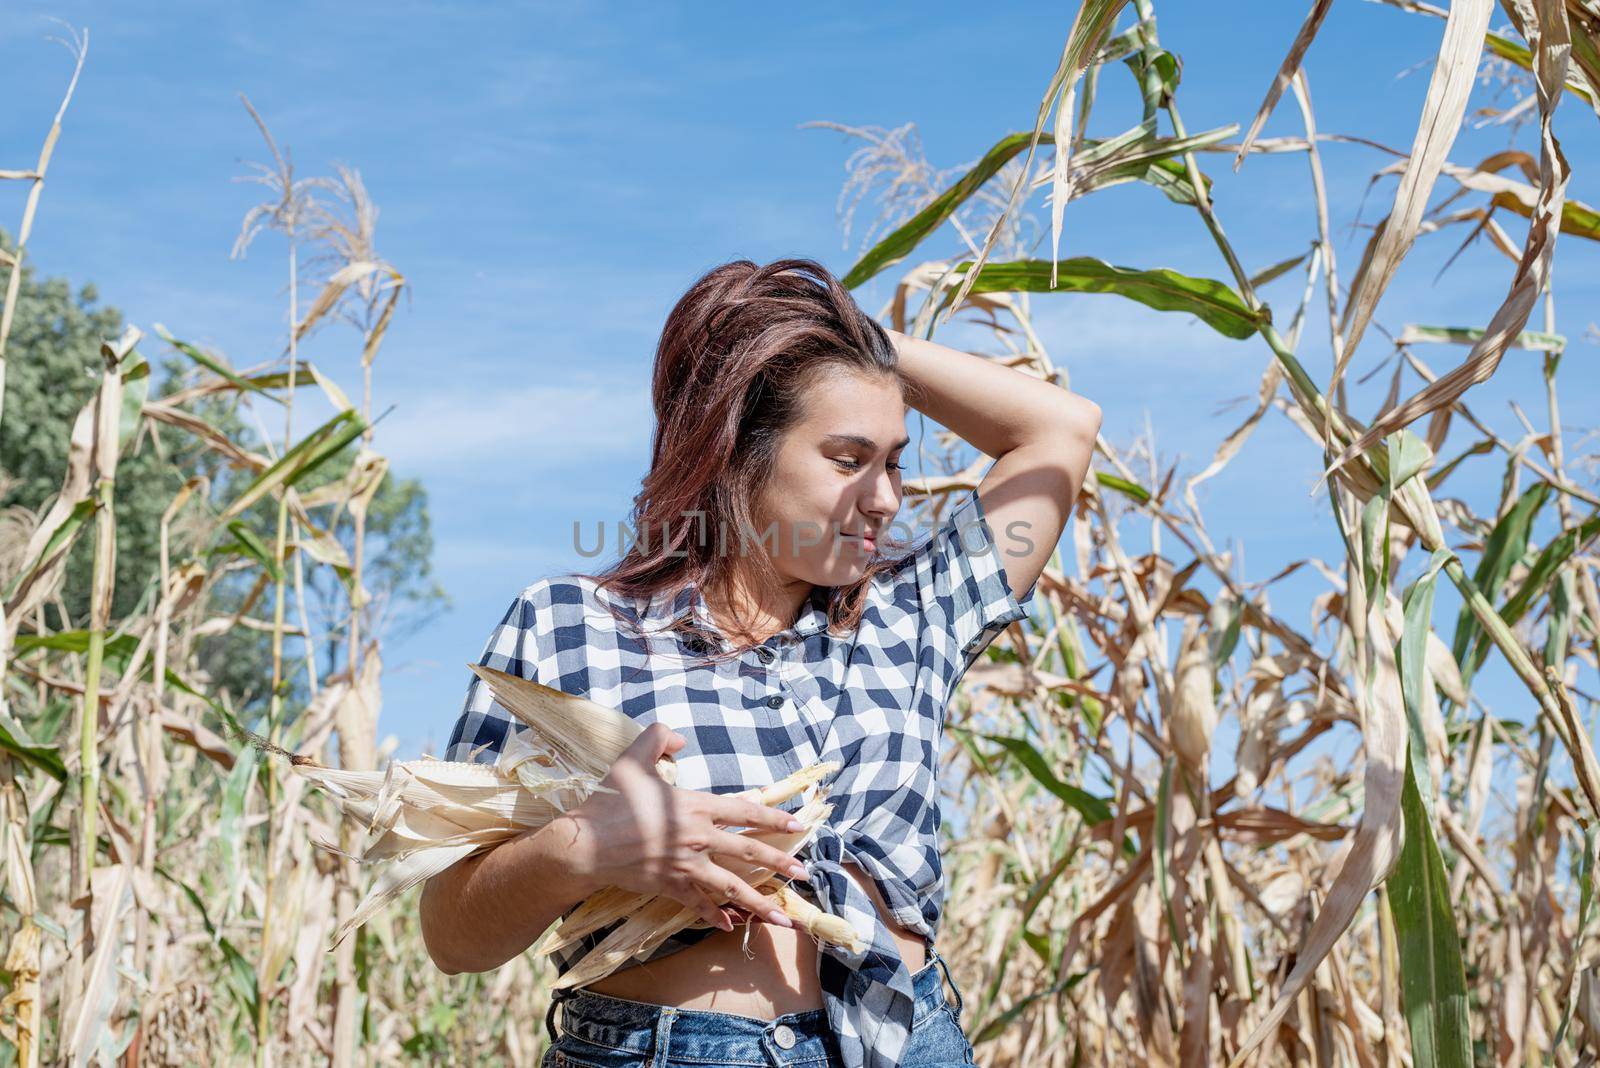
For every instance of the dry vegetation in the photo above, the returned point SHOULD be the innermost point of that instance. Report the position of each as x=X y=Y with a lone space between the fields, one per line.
x=1429 y=900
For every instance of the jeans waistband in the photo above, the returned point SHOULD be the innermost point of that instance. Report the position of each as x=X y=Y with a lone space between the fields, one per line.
x=636 y=1026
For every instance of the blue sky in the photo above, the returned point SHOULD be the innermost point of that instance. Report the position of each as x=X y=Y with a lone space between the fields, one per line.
x=553 y=176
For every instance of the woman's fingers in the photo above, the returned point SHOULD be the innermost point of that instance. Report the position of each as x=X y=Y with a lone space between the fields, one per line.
x=734 y=812
x=724 y=886
x=694 y=897
x=752 y=850
x=654 y=742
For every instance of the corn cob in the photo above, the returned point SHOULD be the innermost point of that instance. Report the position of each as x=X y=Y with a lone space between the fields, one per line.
x=419 y=817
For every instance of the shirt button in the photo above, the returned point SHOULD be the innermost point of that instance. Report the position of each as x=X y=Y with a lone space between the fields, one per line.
x=766 y=655
x=775 y=701
x=783 y=1035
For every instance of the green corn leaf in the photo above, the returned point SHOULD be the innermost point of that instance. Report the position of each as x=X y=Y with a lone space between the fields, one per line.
x=53 y=545
x=14 y=739
x=1134 y=155
x=249 y=544
x=1218 y=306
x=241 y=980
x=1375 y=545
x=214 y=365
x=1411 y=659
x=1558 y=636
x=1584 y=877
x=1223 y=645
x=996 y=1027
x=898 y=245
x=1507 y=544
x=1139 y=155
x=1123 y=486
x=1518 y=53
x=1549 y=562
x=1433 y=982
x=1093 y=809
x=1532 y=340
x=135 y=376
x=1408 y=455
x=230 y=824
x=315 y=449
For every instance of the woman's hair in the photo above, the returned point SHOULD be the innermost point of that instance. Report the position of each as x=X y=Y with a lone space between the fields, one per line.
x=736 y=358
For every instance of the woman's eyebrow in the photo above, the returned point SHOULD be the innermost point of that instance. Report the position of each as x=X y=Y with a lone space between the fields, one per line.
x=860 y=440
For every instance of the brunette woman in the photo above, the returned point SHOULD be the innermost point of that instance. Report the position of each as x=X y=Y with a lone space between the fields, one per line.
x=767 y=618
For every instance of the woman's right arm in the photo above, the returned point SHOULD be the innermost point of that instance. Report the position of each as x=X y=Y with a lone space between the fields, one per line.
x=647 y=836
x=479 y=913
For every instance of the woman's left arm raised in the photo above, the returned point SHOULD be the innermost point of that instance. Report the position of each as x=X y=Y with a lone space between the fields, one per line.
x=1040 y=435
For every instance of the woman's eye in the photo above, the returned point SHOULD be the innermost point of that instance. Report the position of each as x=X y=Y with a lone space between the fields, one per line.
x=855 y=465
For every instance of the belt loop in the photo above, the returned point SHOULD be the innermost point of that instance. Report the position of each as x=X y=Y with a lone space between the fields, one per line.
x=946 y=968
x=556 y=998
x=663 y=1039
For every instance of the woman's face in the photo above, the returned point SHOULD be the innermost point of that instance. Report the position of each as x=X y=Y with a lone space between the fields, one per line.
x=836 y=482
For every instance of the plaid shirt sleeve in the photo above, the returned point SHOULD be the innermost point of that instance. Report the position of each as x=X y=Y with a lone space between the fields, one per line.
x=513 y=647
x=960 y=573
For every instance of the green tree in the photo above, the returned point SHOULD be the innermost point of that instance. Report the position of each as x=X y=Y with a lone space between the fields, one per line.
x=53 y=366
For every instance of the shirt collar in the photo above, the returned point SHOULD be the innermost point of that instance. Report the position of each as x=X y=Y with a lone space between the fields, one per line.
x=667 y=608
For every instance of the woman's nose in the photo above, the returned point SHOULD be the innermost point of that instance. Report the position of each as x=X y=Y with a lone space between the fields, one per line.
x=881 y=499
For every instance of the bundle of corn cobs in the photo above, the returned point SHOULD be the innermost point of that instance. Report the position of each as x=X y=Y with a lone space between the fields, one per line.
x=419 y=817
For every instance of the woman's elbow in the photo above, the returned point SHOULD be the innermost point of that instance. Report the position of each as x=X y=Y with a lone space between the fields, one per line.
x=428 y=916
x=1069 y=418
x=439 y=960
x=1070 y=427
x=1076 y=434
x=1083 y=417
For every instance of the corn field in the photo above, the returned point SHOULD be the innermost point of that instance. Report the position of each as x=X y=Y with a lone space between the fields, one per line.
x=1123 y=890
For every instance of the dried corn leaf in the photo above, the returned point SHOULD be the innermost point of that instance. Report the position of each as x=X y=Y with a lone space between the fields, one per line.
x=1286 y=72
x=1454 y=72
x=1376 y=845
x=1532 y=273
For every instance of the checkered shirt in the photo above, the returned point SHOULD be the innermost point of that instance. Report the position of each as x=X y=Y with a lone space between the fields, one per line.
x=874 y=701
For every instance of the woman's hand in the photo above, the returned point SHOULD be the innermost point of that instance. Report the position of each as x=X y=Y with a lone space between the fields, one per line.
x=655 y=838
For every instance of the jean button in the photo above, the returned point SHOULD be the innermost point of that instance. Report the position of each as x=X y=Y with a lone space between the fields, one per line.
x=783 y=1035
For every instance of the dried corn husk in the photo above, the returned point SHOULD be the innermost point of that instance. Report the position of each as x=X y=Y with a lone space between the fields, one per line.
x=613 y=903
x=419 y=817
x=1193 y=713
x=659 y=918
x=1257 y=731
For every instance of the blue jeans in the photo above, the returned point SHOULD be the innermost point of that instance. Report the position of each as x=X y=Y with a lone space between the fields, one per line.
x=600 y=1031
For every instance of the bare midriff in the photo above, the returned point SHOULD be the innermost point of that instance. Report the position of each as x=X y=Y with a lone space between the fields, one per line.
x=772 y=972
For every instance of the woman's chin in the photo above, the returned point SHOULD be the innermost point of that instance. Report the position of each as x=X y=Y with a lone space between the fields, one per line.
x=850 y=565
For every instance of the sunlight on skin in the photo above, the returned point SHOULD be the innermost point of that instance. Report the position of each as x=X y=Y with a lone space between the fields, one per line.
x=837 y=470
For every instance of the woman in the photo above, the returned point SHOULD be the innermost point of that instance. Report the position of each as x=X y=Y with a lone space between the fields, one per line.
x=756 y=626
